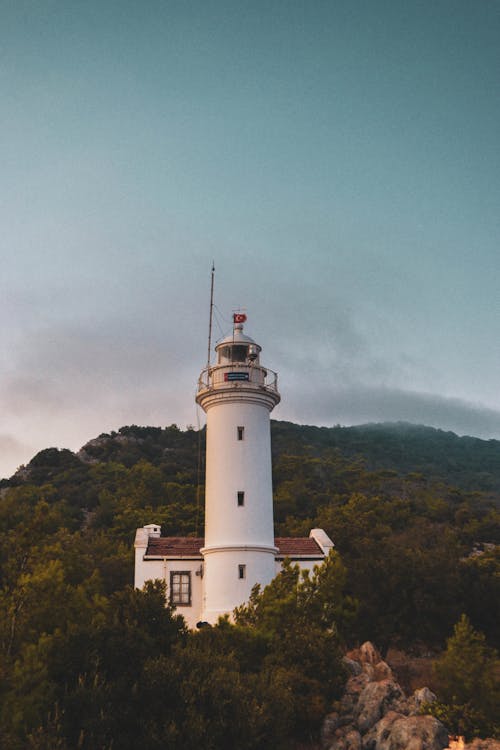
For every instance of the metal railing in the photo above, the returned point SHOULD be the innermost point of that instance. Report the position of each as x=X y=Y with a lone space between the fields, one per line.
x=223 y=376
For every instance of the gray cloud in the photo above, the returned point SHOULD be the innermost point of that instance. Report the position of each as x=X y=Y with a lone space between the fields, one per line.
x=357 y=404
x=69 y=383
x=69 y=365
x=11 y=448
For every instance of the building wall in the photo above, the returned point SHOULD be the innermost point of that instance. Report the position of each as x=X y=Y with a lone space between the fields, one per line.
x=147 y=570
x=150 y=570
x=222 y=567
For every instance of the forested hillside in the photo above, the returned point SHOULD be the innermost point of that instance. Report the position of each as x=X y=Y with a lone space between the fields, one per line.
x=414 y=514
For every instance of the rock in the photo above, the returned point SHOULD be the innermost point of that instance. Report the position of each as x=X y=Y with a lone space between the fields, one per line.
x=353 y=689
x=374 y=702
x=369 y=670
x=380 y=732
x=367 y=659
x=353 y=740
x=382 y=671
x=419 y=697
x=354 y=667
x=349 y=739
x=374 y=713
x=368 y=654
x=414 y=733
x=330 y=724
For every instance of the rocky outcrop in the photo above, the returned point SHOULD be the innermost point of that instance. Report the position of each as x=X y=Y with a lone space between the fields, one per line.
x=408 y=733
x=375 y=714
x=476 y=744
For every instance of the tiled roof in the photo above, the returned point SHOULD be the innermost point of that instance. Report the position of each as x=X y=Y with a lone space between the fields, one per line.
x=174 y=546
x=189 y=546
x=298 y=547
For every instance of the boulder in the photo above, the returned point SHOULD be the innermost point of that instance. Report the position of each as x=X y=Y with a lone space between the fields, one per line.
x=380 y=732
x=419 y=697
x=348 y=739
x=414 y=733
x=328 y=728
x=367 y=659
x=352 y=666
x=353 y=689
x=382 y=671
x=368 y=654
x=375 y=700
x=374 y=713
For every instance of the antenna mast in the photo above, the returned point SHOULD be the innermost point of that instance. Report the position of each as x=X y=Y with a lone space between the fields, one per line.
x=211 y=314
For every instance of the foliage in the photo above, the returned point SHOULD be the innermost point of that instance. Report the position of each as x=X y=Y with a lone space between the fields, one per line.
x=86 y=662
x=468 y=684
x=301 y=616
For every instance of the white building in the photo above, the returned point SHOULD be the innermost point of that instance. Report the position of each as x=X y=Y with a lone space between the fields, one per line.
x=208 y=577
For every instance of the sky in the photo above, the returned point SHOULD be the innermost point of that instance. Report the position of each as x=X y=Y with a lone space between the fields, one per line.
x=338 y=161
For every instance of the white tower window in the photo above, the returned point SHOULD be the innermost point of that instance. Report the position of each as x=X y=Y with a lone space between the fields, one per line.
x=241 y=498
x=240 y=431
x=242 y=571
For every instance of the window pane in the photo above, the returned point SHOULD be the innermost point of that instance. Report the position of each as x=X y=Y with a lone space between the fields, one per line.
x=239 y=353
x=180 y=588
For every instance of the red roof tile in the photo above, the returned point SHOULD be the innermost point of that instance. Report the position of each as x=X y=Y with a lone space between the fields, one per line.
x=298 y=547
x=174 y=546
x=189 y=546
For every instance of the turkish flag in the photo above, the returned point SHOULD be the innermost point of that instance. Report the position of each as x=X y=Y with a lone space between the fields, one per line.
x=239 y=317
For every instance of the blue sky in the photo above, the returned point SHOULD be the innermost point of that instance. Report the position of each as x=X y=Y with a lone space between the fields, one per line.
x=339 y=161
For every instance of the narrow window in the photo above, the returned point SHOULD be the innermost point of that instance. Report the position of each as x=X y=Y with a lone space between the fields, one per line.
x=242 y=569
x=180 y=588
x=240 y=431
x=241 y=498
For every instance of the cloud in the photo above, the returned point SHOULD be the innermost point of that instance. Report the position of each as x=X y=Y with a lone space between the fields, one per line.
x=10 y=450
x=69 y=383
x=67 y=367
x=357 y=404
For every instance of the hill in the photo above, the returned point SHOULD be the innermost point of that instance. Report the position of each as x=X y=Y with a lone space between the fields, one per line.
x=467 y=462
x=413 y=511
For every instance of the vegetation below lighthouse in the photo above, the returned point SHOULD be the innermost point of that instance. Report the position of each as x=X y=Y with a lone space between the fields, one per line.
x=87 y=662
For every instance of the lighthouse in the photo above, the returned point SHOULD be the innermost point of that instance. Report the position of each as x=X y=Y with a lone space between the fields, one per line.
x=206 y=577
x=238 y=394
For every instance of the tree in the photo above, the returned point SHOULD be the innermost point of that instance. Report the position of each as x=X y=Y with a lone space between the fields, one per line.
x=302 y=616
x=468 y=684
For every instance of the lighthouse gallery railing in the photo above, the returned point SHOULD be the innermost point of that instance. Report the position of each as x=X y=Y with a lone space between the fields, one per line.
x=237 y=375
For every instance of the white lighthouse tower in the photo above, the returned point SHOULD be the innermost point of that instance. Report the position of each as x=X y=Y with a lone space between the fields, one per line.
x=237 y=394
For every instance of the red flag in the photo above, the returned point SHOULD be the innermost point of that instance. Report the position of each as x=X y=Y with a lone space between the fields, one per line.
x=239 y=317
